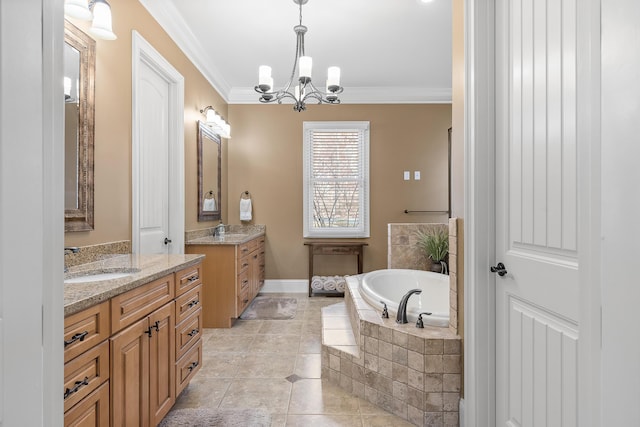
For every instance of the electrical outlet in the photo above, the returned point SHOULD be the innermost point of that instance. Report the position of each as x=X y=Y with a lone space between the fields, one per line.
x=416 y=175
x=407 y=175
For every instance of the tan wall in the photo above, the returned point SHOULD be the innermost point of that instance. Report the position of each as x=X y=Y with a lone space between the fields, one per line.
x=265 y=158
x=457 y=111
x=113 y=123
x=457 y=152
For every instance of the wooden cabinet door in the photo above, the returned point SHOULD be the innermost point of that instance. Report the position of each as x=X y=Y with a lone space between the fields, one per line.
x=92 y=411
x=162 y=380
x=130 y=376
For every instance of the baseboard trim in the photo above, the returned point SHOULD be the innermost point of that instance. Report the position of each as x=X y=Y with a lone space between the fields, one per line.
x=294 y=286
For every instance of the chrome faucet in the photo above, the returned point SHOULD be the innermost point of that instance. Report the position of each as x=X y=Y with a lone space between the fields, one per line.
x=219 y=230
x=402 y=308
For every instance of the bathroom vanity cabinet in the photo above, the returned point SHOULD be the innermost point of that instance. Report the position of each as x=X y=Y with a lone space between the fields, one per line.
x=127 y=358
x=235 y=274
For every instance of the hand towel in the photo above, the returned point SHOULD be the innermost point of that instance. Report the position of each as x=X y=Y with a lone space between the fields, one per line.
x=245 y=209
x=317 y=283
x=209 y=205
x=330 y=284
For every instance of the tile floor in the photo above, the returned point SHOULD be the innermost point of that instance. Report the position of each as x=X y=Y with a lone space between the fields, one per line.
x=275 y=365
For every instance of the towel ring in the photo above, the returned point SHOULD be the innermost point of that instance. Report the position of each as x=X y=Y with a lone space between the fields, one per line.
x=245 y=195
x=210 y=193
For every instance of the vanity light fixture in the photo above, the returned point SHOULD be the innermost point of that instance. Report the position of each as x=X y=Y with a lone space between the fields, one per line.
x=216 y=122
x=304 y=90
x=97 y=10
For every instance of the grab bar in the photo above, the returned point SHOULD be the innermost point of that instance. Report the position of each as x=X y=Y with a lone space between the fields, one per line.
x=407 y=211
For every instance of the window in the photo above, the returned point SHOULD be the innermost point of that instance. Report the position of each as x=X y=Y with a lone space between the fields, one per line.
x=336 y=179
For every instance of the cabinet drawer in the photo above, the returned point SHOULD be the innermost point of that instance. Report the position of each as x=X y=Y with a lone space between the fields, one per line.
x=245 y=249
x=243 y=301
x=187 y=366
x=85 y=329
x=137 y=303
x=188 y=332
x=188 y=303
x=85 y=373
x=243 y=281
x=244 y=263
x=93 y=410
x=187 y=278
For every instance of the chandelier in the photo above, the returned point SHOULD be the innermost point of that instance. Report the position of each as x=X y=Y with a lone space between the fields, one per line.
x=304 y=90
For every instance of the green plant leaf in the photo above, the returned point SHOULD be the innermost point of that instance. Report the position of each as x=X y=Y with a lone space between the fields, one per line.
x=434 y=243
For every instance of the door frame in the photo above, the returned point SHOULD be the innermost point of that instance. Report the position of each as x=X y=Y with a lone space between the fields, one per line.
x=143 y=52
x=32 y=218
x=480 y=227
x=479 y=214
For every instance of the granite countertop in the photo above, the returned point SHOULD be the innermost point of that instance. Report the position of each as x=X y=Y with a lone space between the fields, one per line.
x=142 y=268
x=235 y=235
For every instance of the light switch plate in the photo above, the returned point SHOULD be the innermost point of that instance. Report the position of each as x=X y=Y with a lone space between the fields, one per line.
x=407 y=175
x=416 y=175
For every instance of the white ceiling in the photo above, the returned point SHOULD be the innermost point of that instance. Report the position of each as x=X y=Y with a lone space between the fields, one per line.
x=389 y=51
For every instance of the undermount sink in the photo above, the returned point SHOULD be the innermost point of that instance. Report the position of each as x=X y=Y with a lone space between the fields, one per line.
x=99 y=275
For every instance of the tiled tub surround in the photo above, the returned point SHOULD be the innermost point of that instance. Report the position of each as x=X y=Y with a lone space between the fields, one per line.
x=78 y=296
x=410 y=372
x=403 y=252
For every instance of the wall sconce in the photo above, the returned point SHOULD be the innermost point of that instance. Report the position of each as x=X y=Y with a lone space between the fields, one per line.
x=217 y=123
x=98 y=10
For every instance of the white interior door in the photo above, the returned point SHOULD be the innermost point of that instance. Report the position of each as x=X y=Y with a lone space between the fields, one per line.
x=158 y=158
x=537 y=300
x=154 y=161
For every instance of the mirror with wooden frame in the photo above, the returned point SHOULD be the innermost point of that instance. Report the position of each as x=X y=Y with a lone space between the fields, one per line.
x=79 y=83
x=209 y=174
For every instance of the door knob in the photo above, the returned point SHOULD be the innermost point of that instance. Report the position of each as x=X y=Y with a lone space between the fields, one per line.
x=167 y=240
x=500 y=269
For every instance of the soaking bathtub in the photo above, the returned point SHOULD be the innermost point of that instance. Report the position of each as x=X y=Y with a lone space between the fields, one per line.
x=389 y=286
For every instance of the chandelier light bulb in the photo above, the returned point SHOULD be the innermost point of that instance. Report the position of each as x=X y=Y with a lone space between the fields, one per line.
x=265 y=82
x=333 y=78
x=304 y=64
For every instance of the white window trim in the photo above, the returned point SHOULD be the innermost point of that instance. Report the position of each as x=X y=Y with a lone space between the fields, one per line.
x=308 y=229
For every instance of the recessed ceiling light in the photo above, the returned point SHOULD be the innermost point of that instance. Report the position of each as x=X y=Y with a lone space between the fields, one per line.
x=424 y=1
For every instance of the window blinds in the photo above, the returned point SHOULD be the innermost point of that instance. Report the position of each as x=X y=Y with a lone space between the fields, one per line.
x=336 y=180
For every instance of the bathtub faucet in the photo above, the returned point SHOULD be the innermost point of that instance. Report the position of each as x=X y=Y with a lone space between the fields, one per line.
x=402 y=308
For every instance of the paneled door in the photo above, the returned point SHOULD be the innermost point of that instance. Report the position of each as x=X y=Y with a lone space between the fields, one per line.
x=537 y=289
x=153 y=201
x=157 y=153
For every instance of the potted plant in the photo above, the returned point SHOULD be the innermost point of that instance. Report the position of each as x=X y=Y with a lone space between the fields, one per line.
x=435 y=244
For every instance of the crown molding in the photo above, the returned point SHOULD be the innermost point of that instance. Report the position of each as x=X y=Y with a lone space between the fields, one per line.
x=364 y=95
x=176 y=27
x=172 y=22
